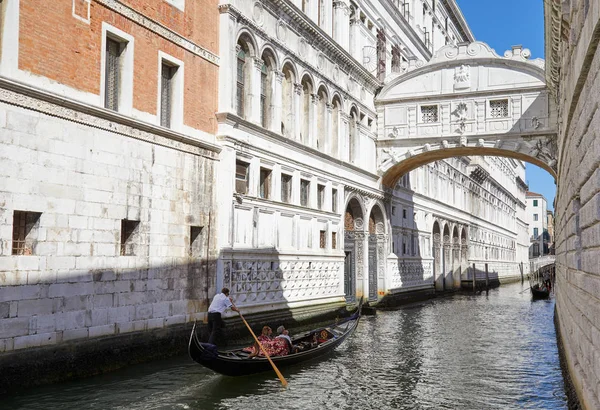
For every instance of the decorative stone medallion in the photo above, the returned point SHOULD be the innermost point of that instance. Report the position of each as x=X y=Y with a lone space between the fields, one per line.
x=321 y=61
x=336 y=73
x=258 y=14
x=281 y=30
x=302 y=47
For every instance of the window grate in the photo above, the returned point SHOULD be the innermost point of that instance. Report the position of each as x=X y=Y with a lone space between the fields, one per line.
x=429 y=113
x=304 y=187
x=265 y=183
x=333 y=240
x=24 y=224
x=322 y=243
x=499 y=109
x=320 y=196
x=286 y=188
x=166 y=94
x=112 y=74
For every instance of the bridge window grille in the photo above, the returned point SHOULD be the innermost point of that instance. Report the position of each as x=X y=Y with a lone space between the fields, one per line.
x=25 y=226
x=499 y=108
x=429 y=113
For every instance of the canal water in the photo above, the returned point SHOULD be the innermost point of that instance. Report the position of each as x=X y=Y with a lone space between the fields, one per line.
x=461 y=352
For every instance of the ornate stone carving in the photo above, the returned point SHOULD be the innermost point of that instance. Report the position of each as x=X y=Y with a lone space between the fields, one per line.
x=281 y=30
x=461 y=116
x=395 y=133
x=546 y=151
x=298 y=88
x=258 y=14
x=321 y=61
x=302 y=47
x=336 y=72
x=462 y=77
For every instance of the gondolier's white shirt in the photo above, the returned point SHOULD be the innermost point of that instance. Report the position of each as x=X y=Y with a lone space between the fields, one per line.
x=219 y=304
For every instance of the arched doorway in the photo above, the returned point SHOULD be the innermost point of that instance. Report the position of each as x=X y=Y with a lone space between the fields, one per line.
x=437 y=257
x=376 y=253
x=455 y=259
x=353 y=248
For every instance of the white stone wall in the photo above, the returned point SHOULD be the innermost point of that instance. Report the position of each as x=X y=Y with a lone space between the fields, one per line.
x=73 y=283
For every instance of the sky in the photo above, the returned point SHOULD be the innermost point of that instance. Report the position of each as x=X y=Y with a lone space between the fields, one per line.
x=503 y=24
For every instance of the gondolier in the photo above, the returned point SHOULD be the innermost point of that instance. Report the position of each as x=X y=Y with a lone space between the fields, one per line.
x=220 y=303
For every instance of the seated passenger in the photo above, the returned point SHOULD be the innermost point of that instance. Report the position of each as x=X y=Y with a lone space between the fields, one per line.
x=280 y=346
x=323 y=336
x=265 y=336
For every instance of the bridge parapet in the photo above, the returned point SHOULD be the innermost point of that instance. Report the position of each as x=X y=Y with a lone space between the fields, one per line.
x=467 y=101
x=540 y=262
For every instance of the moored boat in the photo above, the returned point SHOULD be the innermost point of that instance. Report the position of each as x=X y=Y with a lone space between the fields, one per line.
x=238 y=362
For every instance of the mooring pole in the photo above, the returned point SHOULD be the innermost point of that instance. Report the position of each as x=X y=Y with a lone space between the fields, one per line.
x=487 y=279
x=474 y=278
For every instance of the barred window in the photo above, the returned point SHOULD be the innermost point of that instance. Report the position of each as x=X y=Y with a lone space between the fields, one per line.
x=429 y=113
x=112 y=80
x=129 y=230
x=499 y=108
x=322 y=243
x=334 y=194
x=166 y=93
x=286 y=188
x=333 y=240
x=24 y=232
x=241 y=62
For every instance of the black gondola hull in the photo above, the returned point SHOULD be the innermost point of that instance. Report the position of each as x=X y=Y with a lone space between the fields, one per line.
x=231 y=365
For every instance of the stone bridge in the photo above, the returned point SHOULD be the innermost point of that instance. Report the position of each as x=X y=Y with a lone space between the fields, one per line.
x=537 y=263
x=466 y=100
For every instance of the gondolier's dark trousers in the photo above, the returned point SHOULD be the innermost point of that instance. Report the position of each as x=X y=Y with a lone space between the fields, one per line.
x=215 y=323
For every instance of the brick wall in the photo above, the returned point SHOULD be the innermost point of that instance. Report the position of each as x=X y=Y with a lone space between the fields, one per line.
x=56 y=45
x=577 y=221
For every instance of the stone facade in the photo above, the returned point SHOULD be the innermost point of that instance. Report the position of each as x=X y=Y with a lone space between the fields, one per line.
x=572 y=36
x=107 y=170
x=538 y=224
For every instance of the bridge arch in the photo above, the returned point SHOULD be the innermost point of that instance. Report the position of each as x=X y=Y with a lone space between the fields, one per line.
x=466 y=101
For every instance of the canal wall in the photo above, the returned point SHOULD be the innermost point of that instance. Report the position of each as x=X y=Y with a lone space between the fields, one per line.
x=572 y=36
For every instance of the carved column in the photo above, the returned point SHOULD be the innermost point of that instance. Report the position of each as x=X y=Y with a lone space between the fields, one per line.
x=297 y=110
x=276 y=101
x=313 y=108
x=327 y=137
x=252 y=110
x=354 y=46
x=447 y=263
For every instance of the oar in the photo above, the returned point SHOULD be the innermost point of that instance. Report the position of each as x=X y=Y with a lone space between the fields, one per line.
x=281 y=378
x=525 y=290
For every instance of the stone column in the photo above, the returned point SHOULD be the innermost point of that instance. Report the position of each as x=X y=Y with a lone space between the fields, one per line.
x=340 y=17
x=354 y=39
x=252 y=108
x=456 y=265
x=327 y=26
x=343 y=147
x=438 y=274
x=296 y=110
x=276 y=101
x=328 y=120
x=313 y=108
x=447 y=263
x=362 y=264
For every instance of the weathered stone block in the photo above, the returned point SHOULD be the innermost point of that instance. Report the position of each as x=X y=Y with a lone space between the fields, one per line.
x=105 y=330
x=73 y=334
x=101 y=301
x=14 y=327
x=120 y=314
x=77 y=302
x=156 y=323
x=71 y=289
x=71 y=320
x=136 y=326
x=99 y=317
x=35 y=307
x=143 y=311
x=24 y=342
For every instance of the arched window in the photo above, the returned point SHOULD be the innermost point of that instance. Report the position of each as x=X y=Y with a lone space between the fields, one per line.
x=322 y=120
x=352 y=135
x=335 y=125
x=307 y=90
x=287 y=101
x=264 y=104
x=241 y=80
x=266 y=89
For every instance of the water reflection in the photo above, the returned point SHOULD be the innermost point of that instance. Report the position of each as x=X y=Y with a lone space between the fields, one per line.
x=463 y=352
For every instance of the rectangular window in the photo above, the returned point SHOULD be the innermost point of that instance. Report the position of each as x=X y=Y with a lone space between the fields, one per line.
x=393 y=210
x=429 y=114
x=535 y=202
x=403 y=248
x=265 y=183
x=334 y=195
x=112 y=81
x=535 y=217
x=535 y=233
x=263 y=95
x=129 y=232
x=320 y=196
x=333 y=240
x=304 y=192
x=196 y=241
x=25 y=229
x=241 y=62
x=322 y=241
x=241 y=177
x=166 y=93
x=404 y=213
x=499 y=108
x=286 y=188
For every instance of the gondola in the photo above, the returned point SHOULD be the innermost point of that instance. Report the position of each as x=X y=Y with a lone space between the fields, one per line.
x=237 y=363
x=538 y=292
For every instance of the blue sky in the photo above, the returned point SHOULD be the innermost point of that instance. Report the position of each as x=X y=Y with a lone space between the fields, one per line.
x=502 y=24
